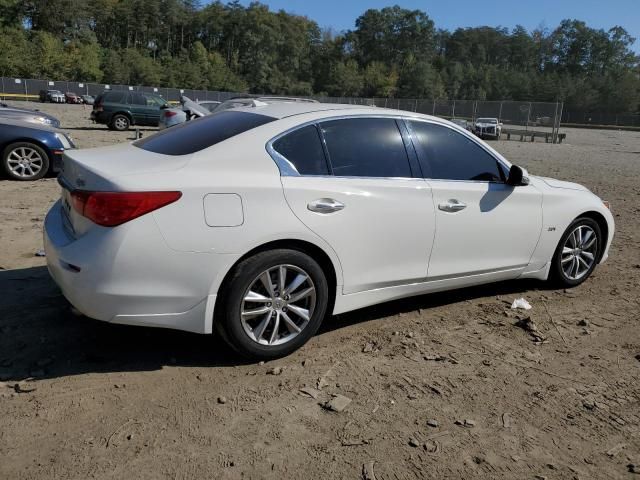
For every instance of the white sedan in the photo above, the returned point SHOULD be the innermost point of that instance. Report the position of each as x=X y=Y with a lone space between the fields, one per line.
x=260 y=222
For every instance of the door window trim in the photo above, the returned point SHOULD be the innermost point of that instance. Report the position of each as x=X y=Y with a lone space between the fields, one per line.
x=424 y=162
x=287 y=169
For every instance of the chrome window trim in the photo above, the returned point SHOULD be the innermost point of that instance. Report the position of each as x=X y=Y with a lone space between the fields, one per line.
x=464 y=133
x=287 y=169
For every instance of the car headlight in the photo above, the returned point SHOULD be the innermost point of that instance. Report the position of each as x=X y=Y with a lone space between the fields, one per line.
x=64 y=141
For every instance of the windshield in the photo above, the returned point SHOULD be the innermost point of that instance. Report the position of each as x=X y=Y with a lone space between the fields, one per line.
x=487 y=120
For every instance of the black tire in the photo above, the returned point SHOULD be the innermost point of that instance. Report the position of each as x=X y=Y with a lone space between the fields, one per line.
x=557 y=273
x=119 y=122
x=14 y=150
x=228 y=316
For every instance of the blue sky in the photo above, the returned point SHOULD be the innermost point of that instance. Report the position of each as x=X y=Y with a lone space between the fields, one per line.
x=450 y=14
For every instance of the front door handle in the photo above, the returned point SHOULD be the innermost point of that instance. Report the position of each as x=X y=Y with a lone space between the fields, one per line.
x=452 y=206
x=325 y=205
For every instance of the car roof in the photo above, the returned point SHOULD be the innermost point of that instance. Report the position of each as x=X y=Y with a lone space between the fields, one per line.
x=281 y=110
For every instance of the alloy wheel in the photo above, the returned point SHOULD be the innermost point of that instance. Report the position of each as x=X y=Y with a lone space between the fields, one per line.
x=579 y=252
x=25 y=162
x=278 y=305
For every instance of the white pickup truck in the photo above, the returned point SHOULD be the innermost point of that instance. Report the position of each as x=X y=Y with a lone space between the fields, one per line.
x=487 y=128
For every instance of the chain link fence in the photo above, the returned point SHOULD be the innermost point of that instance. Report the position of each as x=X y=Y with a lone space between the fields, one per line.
x=516 y=116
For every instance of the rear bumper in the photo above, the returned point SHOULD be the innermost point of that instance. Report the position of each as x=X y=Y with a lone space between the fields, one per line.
x=128 y=275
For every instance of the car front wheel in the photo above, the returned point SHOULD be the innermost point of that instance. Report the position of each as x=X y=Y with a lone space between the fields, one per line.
x=577 y=253
x=274 y=302
x=25 y=161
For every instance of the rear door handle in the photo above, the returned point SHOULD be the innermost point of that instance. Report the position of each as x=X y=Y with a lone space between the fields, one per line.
x=452 y=206
x=325 y=205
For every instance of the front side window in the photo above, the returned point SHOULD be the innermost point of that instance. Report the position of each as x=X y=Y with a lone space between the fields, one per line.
x=153 y=101
x=136 y=99
x=366 y=147
x=448 y=155
x=303 y=148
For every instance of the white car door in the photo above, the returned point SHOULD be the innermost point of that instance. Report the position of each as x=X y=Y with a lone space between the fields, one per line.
x=483 y=225
x=354 y=184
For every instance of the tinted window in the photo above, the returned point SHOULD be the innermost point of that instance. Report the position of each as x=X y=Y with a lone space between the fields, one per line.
x=114 y=97
x=303 y=148
x=136 y=99
x=366 y=147
x=198 y=134
x=154 y=101
x=447 y=154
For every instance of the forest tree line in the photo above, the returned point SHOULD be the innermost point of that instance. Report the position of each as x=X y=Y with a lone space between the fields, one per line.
x=391 y=52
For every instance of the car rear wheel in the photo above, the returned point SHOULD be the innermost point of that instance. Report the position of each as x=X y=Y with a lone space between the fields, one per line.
x=577 y=253
x=274 y=302
x=25 y=161
x=119 y=122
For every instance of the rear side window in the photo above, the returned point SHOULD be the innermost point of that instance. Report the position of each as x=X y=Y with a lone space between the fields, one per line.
x=366 y=147
x=202 y=133
x=303 y=148
x=114 y=97
x=448 y=155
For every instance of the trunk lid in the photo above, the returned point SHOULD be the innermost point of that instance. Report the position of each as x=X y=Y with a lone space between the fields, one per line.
x=102 y=169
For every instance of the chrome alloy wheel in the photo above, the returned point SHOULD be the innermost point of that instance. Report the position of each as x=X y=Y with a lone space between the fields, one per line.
x=121 y=123
x=278 y=305
x=579 y=252
x=25 y=162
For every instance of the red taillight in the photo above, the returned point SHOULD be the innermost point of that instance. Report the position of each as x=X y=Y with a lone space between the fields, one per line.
x=110 y=209
x=169 y=113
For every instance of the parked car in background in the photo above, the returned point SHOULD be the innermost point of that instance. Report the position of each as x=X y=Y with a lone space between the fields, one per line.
x=121 y=109
x=487 y=128
x=30 y=116
x=209 y=104
x=29 y=151
x=461 y=123
x=71 y=97
x=188 y=110
x=53 y=96
x=87 y=99
x=259 y=222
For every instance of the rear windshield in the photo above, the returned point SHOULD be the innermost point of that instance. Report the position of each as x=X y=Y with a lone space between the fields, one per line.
x=202 y=133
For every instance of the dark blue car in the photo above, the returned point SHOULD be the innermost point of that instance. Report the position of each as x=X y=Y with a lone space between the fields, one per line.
x=31 y=151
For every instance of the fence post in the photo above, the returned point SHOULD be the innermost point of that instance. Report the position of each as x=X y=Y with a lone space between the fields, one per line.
x=433 y=112
x=26 y=98
x=453 y=110
x=526 y=128
x=554 y=131
x=500 y=112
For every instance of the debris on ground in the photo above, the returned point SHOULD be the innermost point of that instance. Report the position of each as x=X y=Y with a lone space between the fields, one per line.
x=466 y=423
x=529 y=326
x=222 y=400
x=521 y=303
x=275 y=371
x=367 y=471
x=432 y=446
x=40 y=253
x=311 y=392
x=584 y=323
x=369 y=347
x=506 y=420
x=413 y=442
x=432 y=423
x=612 y=452
x=18 y=389
x=337 y=404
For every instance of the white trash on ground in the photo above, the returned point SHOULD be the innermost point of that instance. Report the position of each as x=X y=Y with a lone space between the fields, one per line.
x=521 y=303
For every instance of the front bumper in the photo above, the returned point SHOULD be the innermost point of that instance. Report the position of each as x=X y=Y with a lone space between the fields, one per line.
x=128 y=275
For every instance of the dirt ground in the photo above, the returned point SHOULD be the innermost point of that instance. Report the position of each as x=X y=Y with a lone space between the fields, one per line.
x=442 y=386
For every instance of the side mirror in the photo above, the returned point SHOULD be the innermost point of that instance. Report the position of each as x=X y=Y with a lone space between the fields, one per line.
x=517 y=176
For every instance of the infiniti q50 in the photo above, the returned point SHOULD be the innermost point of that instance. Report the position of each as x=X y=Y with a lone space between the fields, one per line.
x=260 y=222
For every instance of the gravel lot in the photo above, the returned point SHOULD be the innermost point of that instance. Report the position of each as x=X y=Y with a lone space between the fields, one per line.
x=442 y=386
